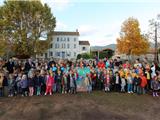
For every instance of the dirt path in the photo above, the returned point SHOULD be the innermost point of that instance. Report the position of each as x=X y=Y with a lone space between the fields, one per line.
x=97 y=106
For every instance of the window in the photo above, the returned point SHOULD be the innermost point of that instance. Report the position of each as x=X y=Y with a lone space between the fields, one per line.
x=68 y=39
x=57 y=54
x=64 y=40
x=56 y=45
x=41 y=54
x=68 y=46
x=74 y=45
x=64 y=45
x=83 y=48
x=74 y=54
x=61 y=39
x=68 y=54
x=50 y=53
x=57 y=39
x=74 y=39
x=51 y=45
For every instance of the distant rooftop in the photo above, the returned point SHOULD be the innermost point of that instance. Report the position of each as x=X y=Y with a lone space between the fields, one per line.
x=66 y=33
x=84 y=43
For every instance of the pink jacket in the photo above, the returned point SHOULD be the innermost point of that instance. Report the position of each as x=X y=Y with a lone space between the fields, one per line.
x=50 y=81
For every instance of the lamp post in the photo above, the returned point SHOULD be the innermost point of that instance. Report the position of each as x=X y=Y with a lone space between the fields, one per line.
x=156 y=58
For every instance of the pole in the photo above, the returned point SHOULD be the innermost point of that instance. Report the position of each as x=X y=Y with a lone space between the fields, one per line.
x=156 y=45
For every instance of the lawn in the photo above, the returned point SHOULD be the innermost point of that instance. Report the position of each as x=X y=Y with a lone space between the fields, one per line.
x=82 y=106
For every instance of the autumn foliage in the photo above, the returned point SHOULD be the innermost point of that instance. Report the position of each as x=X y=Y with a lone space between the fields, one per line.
x=131 y=42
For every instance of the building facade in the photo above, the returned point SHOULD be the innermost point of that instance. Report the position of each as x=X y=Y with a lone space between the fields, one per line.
x=66 y=45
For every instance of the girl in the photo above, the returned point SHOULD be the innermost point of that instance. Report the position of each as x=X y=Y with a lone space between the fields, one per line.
x=49 y=83
x=31 y=84
x=88 y=83
x=24 y=85
x=106 y=81
x=155 y=86
x=123 y=84
x=129 y=83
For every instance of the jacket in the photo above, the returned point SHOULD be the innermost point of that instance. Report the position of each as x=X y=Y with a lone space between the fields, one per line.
x=143 y=81
x=24 y=83
x=50 y=81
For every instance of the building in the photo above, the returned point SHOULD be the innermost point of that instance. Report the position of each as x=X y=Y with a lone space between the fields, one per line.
x=84 y=47
x=66 y=45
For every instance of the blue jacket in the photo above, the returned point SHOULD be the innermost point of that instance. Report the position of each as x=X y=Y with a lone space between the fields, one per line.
x=24 y=83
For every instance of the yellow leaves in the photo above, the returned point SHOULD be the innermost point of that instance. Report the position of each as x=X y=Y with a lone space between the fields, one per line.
x=131 y=42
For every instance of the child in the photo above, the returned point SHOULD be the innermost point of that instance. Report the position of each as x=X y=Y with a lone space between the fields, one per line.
x=59 y=81
x=64 y=84
x=117 y=82
x=123 y=84
x=1 y=83
x=18 y=84
x=11 y=84
x=24 y=85
x=37 y=83
x=72 y=83
x=42 y=79
x=155 y=86
x=136 y=84
x=143 y=84
x=31 y=84
x=106 y=81
x=129 y=83
x=49 y=83
x=88 y=83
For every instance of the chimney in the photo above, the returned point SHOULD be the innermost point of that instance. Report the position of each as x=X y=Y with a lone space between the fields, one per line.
x=76 y=30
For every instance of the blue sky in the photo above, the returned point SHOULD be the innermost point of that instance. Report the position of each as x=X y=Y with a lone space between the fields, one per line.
x=99 y=21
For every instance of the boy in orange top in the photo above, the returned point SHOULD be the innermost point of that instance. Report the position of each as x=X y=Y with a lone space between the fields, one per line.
x=143 y=83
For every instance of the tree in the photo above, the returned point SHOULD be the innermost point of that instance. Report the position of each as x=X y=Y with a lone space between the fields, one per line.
x=24 y=24
x=154 y=35
x=131 y=42
x=85 y=56
x=107 y=53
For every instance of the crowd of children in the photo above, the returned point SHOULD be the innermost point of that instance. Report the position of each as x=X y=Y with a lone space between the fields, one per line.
x=42 y=77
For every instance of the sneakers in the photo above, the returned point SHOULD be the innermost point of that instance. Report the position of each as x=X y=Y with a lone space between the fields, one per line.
x=157 y=95
x=153 y=94
x=45 y=94
x=50 y=94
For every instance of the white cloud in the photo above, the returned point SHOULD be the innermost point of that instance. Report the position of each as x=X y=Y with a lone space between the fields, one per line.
x=86 y=30
x=61 y=26
x=59 y=5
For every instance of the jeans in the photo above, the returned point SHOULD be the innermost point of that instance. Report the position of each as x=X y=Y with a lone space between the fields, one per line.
x=1 y=92
x=89 y=88
x=130 y=87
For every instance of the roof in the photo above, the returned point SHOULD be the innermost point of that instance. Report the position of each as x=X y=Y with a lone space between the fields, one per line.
x=84 y=43
x=65 y=33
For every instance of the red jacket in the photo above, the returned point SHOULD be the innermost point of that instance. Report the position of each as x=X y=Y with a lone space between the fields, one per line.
x=101 y=65
x=143 y=81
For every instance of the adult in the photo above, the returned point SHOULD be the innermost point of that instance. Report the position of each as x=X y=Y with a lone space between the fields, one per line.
x=28 y=65
x=10 y=66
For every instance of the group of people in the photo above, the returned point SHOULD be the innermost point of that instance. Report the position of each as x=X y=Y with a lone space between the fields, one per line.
x=41 y=77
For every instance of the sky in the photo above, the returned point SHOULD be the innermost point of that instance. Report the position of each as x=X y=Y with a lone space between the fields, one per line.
x=99 y=21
